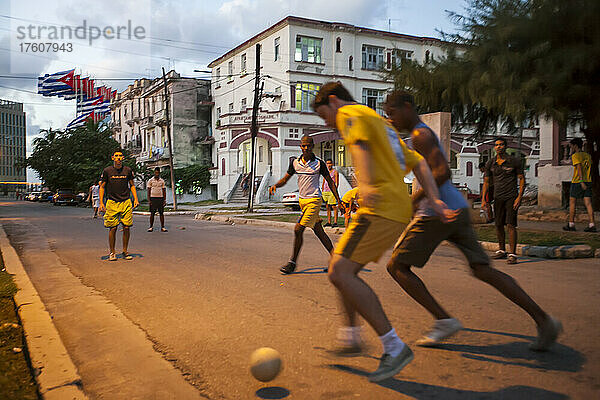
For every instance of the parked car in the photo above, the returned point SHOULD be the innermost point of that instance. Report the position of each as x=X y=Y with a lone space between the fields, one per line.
x=470 y=195
x=65 y=196
x=46 y=196
x=291 y=199
x=33 y=196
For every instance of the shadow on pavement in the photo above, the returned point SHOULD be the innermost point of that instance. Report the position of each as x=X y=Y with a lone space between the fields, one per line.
x=422 y=391
x=273 y=392
x=120 y=256
x=559 y=358
x=319 y=270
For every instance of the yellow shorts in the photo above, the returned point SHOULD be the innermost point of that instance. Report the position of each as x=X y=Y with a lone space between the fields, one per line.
x=368 y=237
x=329 y=198
x=310 y=212
x=118 y=212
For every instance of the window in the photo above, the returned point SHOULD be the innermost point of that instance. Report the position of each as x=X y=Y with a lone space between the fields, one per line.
x=243 y=64
x=372 y=57
x=276 y=48
x=469 y=168
x=218 y=74
x=305 y=94
x=308 y=49
x=230 y=70
x=338 y=45
x=230 y=107
x=218 y=112
x=427 y=57
x=223 y=166
x=398 y=56
x=278 y=90
x=243 y=108
x=294 y=133
x=373 y=98
x=350 y=63
x=260 y=153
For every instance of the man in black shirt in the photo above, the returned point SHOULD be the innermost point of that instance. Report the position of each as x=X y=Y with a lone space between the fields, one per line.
x=504 y=171
x=117 y=182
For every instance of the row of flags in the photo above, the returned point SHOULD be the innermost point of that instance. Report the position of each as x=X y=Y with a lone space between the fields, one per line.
x=92 y=102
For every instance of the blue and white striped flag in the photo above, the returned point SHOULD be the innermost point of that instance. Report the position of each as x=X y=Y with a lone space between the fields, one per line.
x=80 y=120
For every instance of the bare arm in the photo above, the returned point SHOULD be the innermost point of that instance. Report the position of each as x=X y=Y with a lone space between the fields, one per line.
x=425 y=177
x=517 y=202
x=164 y=190
x=134 y=193
x=280 y=183
x=334 y=190
x=580 y=173
x=426 y=145
x=484 y=190
x=102 y=207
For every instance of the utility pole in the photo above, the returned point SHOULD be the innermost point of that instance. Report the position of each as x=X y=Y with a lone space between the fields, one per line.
x=254 y=129
x=169 y=141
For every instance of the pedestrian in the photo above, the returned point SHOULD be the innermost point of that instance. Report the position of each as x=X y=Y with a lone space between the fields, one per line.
x=381 y=160
x=350 y=203
x=308 y=167
x=157 y=197
x=117 y=183
x=425 y=232
x=328 y=197
x=487 y=212
x=245 y=184
x=504 y=170
x=581 y=185
x=94 y=197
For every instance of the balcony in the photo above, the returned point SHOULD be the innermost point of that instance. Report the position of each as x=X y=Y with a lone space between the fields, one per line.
x=160 y=117
x=147 y=122
x=214 y=175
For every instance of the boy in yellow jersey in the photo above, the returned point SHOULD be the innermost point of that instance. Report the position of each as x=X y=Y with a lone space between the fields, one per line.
x=581 y=185
x=381 y=160
x=309 y=168
x=350 y=202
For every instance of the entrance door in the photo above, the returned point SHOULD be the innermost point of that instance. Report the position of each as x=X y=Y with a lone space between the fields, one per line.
x=247 y=156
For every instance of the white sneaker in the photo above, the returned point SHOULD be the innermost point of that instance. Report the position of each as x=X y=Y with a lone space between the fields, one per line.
x=442 y=329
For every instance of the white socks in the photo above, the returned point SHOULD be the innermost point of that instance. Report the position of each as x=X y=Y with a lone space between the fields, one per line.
x=392 y=344
x=571 y=224
x=349 y=335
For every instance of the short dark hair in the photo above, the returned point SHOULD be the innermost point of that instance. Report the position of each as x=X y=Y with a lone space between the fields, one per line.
x=398 y=97
x=307 y=137
x=117 y=151
x=157 y=169
x=577 y=142
x=328 y=89
x=328 y=160
x=503 y=140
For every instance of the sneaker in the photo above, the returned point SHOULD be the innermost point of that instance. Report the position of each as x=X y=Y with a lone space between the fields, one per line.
x=164 y=230
x=390 y=366
x=568 y=227
x=347 y=350
x=442 y=329
x=127 y=256
x=590 y=229
x=112 y=257
x=499 y=254
x=288 y=268
x=512 y=259
x=547 y=335
x=150 y=229
x=326 y=225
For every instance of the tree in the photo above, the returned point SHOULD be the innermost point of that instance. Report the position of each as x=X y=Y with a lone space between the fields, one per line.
x=74 y=158
x=189 y=179
x=515 y=61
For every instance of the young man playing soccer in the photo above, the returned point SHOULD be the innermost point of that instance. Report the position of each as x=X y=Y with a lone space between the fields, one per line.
x=581 y=185
x=308 y=168
x=381 y=160
x=117 y=182
x=425 y=232
x=350 y=203
x=328 y=196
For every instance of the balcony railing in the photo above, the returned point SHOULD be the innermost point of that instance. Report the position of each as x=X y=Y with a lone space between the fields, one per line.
x=160 y=117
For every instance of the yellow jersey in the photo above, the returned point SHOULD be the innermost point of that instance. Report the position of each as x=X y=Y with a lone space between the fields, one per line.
x=382 y=190
x=350 y=196
x=583 y=158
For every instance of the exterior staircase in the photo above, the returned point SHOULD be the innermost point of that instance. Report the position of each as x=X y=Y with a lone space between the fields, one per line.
x=238 y=194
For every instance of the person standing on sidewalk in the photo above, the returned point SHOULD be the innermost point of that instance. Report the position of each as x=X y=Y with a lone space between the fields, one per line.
x=117 y=183
x=308 y=168
x=157 y=197
x=425 y=232
x=328 y=197
x=581 y=185
x=504 y=170
x=94 y=197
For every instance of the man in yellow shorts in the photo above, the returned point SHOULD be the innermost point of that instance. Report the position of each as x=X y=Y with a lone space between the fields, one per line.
x=117 y=183
x=381 y=160
x=350 y=202
x=308 y=168
x=328 y=196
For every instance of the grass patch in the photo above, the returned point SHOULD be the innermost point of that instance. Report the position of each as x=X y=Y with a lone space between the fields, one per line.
x=202 y=203
x=542 y=238
x=144 y=207
x=16 y=381
x=278 y=217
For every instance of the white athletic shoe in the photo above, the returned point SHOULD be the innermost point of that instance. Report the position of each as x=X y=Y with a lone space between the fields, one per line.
x=442 y=329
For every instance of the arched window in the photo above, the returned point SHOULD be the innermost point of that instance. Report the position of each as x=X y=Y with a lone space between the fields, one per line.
x=469 y=168
x=350 y=63
x=536 y=170
x=338 y=45
x=427 y=56
x=223 y=166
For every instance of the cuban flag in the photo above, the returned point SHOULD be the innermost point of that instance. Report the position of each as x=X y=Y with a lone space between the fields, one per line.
x=59 y=83
x=80 y=120
x=87 y=105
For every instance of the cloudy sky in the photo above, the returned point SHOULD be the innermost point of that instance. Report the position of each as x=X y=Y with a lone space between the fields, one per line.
x=180 y=34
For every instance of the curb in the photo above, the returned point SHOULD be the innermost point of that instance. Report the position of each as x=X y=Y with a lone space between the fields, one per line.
x=562 y=252
x=167 y=212
x=57 y=376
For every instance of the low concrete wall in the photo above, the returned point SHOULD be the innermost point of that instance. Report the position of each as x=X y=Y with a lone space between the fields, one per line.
x=550 y=180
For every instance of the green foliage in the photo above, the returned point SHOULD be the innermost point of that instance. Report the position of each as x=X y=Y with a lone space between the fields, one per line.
x=189 y=179
x=74 y=158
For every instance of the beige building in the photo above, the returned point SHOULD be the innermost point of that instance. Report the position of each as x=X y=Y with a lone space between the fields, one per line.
x=12 y=143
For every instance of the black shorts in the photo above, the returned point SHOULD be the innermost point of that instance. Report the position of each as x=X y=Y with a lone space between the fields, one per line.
x=504 y=213
x=157 y=204
x=577 y=191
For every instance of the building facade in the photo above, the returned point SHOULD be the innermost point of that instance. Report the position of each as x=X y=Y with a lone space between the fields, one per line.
x=12 y=143
x=298 y=55
x=139 y=121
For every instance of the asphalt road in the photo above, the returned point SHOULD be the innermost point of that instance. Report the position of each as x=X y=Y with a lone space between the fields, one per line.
x=205 y=295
